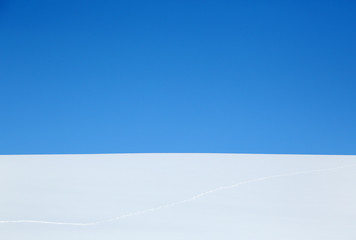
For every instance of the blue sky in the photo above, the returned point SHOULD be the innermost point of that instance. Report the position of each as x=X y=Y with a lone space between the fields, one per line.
x=177 y=76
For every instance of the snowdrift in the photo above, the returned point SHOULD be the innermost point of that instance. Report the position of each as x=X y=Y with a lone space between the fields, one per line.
x=177 y=196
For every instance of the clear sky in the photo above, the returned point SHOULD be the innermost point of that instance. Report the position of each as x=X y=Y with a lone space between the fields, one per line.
x=178 y=76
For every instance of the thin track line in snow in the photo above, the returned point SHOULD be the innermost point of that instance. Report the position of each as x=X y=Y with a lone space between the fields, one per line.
x=173 y=204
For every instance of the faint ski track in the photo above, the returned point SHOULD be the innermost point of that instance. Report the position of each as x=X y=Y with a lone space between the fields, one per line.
x=173 y=204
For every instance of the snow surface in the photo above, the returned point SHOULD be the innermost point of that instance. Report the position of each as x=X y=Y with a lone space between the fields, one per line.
x=177 y=196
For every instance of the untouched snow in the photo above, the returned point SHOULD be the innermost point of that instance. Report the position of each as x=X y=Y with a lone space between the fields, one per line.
x=177 y=196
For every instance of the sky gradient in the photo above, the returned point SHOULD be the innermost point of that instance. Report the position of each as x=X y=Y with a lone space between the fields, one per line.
x=177 y=76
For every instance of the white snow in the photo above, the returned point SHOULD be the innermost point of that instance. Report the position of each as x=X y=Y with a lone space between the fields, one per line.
x=177 y=196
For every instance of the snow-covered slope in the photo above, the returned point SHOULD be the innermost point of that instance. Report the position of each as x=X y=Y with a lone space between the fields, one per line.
x=177 y=196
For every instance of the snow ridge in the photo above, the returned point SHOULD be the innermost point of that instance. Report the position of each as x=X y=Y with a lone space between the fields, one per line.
x=176 y=203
